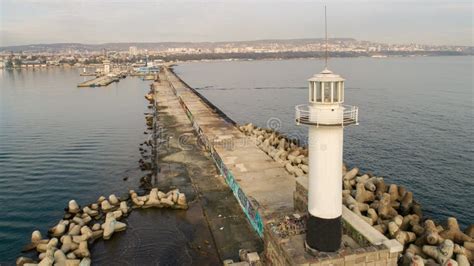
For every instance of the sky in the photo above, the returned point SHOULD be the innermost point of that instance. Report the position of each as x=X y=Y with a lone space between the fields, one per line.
x=448 y=22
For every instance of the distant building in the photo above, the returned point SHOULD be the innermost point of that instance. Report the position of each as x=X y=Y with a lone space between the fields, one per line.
x=30 y=63
x=133 y=50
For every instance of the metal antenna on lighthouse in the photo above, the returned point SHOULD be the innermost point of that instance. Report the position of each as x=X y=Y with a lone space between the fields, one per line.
x=326 y=35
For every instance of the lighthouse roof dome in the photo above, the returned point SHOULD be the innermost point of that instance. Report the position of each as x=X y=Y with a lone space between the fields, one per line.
x=326 y=75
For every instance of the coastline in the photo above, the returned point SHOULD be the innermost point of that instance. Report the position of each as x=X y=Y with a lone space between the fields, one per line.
x=237 y=59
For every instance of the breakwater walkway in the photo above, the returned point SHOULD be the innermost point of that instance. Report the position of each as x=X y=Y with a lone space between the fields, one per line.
x=264 y=189
x=180 y=149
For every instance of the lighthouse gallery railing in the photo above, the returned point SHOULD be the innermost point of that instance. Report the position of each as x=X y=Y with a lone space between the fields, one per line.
x=349 y=116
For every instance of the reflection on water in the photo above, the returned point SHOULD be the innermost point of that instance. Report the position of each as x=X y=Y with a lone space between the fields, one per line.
x=416 y=116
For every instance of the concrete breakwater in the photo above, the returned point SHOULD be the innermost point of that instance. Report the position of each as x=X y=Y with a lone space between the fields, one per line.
x=389 y=208
x=228 y=225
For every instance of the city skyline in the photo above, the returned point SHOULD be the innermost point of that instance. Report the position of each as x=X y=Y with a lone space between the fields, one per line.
x=48 y=21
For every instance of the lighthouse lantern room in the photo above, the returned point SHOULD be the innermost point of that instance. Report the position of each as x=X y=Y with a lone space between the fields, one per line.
x=327 y=88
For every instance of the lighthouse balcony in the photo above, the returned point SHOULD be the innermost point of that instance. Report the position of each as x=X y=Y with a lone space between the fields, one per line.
x=347 y=116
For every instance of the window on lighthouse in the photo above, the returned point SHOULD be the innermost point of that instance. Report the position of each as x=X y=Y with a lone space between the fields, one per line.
x=336 y=92
x=327 y=92
x=318 y=92
x=340 y=89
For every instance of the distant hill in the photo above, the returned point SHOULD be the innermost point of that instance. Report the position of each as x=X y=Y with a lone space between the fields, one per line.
x=55 y=47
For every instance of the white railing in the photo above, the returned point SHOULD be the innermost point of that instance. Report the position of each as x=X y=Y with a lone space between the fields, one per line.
x=349 y=116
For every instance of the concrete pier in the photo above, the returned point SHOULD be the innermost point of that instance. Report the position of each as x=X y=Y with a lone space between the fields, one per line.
x=98 y=82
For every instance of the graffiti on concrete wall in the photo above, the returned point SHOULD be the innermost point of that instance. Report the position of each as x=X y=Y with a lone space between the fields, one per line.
x=247 y=206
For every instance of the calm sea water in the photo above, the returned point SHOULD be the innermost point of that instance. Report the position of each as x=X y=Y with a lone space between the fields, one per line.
x=59 y=142
x=416 y=116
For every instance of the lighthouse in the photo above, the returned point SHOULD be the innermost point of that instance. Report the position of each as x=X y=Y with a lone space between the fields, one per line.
x=326 y=116
x=106 y=63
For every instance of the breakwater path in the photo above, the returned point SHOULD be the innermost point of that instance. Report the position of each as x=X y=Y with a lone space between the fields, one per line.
x=183 y=163
x=262 y=186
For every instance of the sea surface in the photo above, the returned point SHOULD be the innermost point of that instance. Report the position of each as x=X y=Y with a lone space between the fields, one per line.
x=60 y=142
x=416 y=116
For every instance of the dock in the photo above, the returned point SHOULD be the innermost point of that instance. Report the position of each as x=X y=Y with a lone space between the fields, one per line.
x=98 y=82
x=88 y=74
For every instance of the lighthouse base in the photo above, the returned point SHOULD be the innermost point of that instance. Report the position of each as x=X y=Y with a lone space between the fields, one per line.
x=324 y=234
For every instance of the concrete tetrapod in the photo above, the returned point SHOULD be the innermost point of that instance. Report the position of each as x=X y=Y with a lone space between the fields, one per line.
x=454 y=233
x=430 y=235
x=153 y=199
x=111 y=225
x=59 y=229
x=113 y=199
x=441 y=253
x=73 y=207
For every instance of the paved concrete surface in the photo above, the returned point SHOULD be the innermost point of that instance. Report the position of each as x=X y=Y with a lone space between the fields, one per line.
x=228 y=225
x=261 y=178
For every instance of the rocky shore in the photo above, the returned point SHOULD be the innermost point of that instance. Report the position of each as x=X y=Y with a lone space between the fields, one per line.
x=389 y=208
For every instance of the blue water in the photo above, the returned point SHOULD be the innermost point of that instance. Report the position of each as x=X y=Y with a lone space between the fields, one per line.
x=59 y=142
x=416 y=116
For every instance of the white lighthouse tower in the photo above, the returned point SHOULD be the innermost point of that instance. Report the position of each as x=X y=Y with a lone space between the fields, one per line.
x=326 y=118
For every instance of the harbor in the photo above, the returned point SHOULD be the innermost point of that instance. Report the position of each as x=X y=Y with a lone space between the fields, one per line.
x=108 y=73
